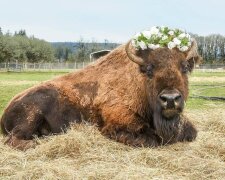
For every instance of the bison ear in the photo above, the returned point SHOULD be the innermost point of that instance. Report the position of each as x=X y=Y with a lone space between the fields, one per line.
x=133 y=55
x=192 y=56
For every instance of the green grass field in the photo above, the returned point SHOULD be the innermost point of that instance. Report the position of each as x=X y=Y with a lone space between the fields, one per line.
x=13 y=83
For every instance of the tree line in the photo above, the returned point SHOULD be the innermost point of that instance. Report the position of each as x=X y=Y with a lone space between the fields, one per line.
x=79 y=51
x=211 y=48
x=21 y=48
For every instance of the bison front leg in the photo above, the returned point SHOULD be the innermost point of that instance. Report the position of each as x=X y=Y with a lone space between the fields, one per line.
x=189 y=132
x=128 y=128
x=133 y=138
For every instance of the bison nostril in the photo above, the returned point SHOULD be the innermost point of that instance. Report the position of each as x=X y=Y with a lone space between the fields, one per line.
x=177 y=97
x=170 y=100
x=164 y=99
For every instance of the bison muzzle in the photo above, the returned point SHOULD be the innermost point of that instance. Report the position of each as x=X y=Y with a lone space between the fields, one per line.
x=134 y=96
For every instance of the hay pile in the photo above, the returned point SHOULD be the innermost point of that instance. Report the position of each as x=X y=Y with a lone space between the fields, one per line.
x=83 y=153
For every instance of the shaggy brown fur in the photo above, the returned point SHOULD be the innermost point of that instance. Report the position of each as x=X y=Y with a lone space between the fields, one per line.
x=120 y=96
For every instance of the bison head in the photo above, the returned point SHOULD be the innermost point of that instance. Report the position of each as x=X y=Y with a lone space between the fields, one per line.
x=166 y=73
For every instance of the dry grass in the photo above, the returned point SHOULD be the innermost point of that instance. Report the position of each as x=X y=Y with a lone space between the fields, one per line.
x=83 y=153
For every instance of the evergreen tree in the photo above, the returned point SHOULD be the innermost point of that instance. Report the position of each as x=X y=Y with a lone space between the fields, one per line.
x=21 y=33
x=1 y=33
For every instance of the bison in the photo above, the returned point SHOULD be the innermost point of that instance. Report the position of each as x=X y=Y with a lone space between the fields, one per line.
x=135 y=97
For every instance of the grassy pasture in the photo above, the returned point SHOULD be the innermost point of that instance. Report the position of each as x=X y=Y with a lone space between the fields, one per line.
x=84 y=153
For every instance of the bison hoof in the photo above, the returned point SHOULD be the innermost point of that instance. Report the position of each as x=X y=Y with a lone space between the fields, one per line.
x=190 y=134
x=190 y=137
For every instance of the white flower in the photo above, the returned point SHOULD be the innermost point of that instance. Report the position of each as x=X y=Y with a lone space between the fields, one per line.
x=176 y=41
x=171 y=45
x=154 y=30
x=153 y=46
x=159 y=34
x=162 y=28
x=164 y=37
x=171 y=33
x=142 y=45
x=136 y=35
x=157 y=46
x=147 y=34
x=188 y=36
x=182 y=35
x=156 y=34
x=183 y=48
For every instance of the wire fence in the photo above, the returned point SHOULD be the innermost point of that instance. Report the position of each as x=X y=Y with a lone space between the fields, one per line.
x=211 y=68
x=42 y=66
x=79 y=65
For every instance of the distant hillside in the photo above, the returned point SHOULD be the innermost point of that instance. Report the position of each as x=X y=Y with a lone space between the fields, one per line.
x=73 y=46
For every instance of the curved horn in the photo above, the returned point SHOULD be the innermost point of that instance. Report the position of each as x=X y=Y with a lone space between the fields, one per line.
x=131 y=56
x=193 y=52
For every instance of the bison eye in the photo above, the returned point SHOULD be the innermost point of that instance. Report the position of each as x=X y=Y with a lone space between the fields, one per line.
x=185 y=67
x=147 y=69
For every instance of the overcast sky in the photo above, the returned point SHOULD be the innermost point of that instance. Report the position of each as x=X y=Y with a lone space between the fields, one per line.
x=115 y=20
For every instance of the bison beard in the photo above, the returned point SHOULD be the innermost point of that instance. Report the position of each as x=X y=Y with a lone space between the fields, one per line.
x=167 y=129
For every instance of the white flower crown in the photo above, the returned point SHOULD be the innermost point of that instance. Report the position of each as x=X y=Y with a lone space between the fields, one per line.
x=162 y=36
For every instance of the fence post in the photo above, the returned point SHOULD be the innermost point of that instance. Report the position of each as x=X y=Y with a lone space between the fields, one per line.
x=8 y=66
x=16 y=64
